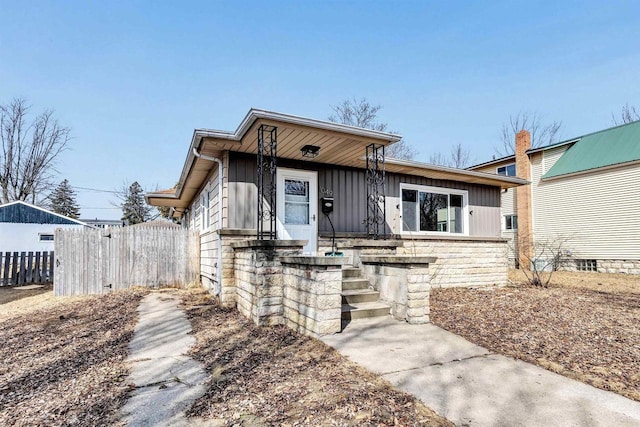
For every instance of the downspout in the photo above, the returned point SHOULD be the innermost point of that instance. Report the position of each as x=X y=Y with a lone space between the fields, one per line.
x=220 y=180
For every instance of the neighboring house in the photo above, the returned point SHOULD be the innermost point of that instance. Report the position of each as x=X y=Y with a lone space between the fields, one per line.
x=420 y=209
x=585 y=190
x=103 y=223
x=25 y=227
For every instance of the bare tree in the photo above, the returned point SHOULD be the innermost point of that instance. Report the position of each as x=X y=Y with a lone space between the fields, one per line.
x=459 y=157
x=361 y=113
x=627 y=115
x=29 y=151
x=539 y=258
x=541 y=134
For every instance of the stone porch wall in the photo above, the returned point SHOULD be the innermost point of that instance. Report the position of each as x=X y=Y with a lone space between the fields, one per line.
x=404 y=282
x=461 y=261
x=275 y=285
x=464 y=262
x=258 y=278
x=312 y=294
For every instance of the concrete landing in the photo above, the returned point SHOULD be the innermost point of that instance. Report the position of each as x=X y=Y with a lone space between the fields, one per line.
x=166 y=381
x=473 y=387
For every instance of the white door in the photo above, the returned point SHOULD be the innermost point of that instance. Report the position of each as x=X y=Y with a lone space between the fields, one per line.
x=297 y=199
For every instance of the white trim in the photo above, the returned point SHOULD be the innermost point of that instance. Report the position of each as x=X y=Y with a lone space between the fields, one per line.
x=505 y=166
x=312 y=176
x=437 y=190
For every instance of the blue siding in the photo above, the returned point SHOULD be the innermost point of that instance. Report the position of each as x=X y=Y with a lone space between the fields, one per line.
x=23 y=214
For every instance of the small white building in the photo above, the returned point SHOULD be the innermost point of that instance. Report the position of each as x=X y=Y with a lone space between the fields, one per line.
x=25 y=227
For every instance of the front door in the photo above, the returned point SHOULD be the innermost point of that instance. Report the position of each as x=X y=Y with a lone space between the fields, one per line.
x=297 y=200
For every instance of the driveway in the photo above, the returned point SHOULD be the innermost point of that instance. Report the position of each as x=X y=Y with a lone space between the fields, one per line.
x=473 y=387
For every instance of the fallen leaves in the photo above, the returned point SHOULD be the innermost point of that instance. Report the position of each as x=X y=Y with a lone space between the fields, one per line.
x=588 y=335
x=64 y=365
x=273 y=376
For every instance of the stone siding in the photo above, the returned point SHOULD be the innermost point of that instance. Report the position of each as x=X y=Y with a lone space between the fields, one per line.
x=312 y=296
x=463 y=262
x=618 y=266
x=259 y=282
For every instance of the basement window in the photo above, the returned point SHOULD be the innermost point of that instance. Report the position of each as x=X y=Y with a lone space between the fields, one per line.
x=507 y=170
x=587 y=265
x=433 y=210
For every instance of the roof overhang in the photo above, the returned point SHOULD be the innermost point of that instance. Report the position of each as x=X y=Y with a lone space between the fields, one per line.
x=339 y=144
x=411 y=167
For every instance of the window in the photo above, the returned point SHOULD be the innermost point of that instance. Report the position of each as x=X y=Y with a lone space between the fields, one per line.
x=434 y=210
x=204 y=202
x=508 y=170
x=586 y=265
x=511 y=222
x=296 y=201
x=43 y=237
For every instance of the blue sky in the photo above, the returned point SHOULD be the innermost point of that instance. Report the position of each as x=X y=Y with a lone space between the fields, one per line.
x=132 y=79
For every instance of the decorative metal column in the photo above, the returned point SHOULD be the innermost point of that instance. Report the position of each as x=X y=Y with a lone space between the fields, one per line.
x=267 y=152
x=376 y=200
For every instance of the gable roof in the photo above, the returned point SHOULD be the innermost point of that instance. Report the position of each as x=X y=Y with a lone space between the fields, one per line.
x=20 y=212
x=614 y=146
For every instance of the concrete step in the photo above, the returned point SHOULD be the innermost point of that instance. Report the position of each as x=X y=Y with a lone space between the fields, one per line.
x=355 y=296
x=351 y=284
x=363 y=310
x=351 y=272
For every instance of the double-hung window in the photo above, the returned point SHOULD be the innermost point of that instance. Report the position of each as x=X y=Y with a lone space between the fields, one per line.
x=433 y=209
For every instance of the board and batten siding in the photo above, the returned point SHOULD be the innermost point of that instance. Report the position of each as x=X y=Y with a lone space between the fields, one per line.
x=596 y=211
x=348 y=187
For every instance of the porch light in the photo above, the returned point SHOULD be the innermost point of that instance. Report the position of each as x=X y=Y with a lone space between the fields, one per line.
x=310 y=151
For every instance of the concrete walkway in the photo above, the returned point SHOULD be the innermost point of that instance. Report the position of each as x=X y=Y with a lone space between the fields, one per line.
x=167 y=382
x=473 y=387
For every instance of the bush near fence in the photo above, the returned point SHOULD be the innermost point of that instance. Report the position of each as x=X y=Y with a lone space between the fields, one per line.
x=98 y=261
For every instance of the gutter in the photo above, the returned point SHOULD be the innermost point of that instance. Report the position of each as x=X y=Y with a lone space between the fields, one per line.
x=220 y=182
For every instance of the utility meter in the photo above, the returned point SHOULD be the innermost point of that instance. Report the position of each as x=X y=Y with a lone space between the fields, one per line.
x=327 y=205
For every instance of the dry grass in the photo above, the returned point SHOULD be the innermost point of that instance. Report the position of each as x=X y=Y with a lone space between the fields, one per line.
x=595 y=281
x=273 y=376
x=15 y=301
x=64 y=364
x=569 y=328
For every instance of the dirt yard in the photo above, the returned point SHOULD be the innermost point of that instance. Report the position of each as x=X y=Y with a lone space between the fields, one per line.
x=63 y=359
x=272 y=376
x=584 y=326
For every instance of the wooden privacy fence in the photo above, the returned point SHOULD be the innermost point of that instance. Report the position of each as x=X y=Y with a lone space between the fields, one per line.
x=98 y=261
x=18 y=268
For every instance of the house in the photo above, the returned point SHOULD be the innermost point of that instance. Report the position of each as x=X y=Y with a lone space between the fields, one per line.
x=103 y=223
x=25 y=227
x=305 y=188
x=583 y=190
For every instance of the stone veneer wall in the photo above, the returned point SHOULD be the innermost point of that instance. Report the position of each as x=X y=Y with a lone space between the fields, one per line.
x=312 y=294
x=464 y=262
x=404 y=282
x=461 y=261
x=228 y=285
x=258 y=278
x=618 y=266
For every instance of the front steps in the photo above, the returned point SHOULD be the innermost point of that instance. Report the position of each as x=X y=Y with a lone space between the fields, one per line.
x=359 y=300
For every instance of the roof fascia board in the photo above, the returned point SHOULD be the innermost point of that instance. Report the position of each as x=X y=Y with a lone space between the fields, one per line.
x=512 y=157
x=593 y=170
x=556 y=145
x=463 y=172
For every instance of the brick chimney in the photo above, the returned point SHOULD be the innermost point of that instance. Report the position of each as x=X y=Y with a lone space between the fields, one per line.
x=523 y=199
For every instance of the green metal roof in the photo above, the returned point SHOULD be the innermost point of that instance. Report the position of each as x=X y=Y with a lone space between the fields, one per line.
x=608 y=147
